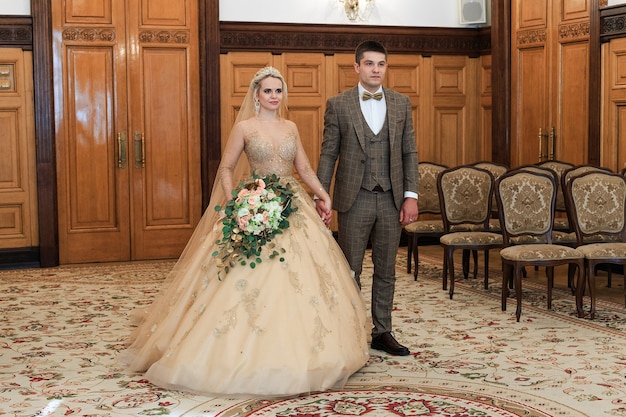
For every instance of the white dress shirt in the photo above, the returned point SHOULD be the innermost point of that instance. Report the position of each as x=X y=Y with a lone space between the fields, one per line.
x=374 y=111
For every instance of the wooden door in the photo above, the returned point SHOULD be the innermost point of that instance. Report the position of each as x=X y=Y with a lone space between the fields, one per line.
x=18 y=183
x=613 y=146
x=125 y=118
x=163 y=125
x=530 y=66
x=550 y=81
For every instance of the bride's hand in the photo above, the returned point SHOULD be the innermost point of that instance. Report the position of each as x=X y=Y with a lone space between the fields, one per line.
x=323 y=207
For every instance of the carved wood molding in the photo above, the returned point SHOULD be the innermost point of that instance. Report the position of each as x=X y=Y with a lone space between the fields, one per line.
x=612 y=23
x=16 y=32
x=89 y=34
x=164 y=36
x=531 y=36
x=574 y=31
x=239 y=36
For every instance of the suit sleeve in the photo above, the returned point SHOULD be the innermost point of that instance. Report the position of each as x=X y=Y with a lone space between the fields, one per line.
x=330 y=145
x=409 y=150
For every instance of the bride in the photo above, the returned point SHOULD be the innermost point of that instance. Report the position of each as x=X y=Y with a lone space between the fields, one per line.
x=290 y=320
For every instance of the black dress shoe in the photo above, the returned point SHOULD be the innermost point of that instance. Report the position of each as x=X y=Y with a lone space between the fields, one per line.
x=389 y=344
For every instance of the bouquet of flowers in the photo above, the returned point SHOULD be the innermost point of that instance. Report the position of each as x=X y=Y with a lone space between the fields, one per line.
x=257 y=212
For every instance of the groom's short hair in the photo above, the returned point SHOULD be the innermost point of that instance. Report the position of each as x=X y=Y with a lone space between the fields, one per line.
x=368 y=46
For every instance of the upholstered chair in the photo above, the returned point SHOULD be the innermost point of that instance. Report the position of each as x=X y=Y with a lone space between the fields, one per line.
x=526 y=203
x=496 y=170
x=571 y=239
x=465 y=195
x=597 y=206
x=429 y=223
x=560 y=220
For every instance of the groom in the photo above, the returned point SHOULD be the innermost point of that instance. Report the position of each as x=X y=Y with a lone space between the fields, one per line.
x=369 y=129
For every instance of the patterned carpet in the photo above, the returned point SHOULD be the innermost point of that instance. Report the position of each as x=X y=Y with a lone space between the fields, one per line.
x=60 y=329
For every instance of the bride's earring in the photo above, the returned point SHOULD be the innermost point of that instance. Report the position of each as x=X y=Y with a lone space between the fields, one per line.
x=257 y=106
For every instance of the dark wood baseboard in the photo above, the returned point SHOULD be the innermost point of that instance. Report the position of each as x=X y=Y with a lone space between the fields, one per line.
x=19 y=258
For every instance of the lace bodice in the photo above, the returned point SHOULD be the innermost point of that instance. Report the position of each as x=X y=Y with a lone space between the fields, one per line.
x=270 y=148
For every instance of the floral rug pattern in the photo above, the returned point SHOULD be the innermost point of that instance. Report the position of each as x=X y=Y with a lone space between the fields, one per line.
x=61 y=328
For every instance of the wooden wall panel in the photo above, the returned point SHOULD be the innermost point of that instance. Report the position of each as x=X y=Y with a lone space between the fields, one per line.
x=163 y=13
x=18 y=203
x=575 y=9
x=92 y=12
x=613 y=138
x=90 y=159
x=532 y=14
x=485 y=105
x=450 y=95
x=167 y=163
x=573 y=123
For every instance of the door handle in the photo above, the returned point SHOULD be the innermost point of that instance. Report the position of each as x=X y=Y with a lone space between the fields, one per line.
x=121 y=150
x=540 y=144
x=140 y=150
x=552 y=143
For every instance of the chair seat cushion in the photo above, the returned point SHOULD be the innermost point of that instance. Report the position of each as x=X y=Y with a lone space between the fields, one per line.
x=539 y=252
x=604 y=250
x=471 y=239
x=425 y=226
x=561 y=223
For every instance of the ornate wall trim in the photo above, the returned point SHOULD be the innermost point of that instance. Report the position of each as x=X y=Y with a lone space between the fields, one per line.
x=612 y=23
x=164 y=36
x=16 y=32
x=531 y=36
x=89 y=34
x=574 y=31
x=243 y=36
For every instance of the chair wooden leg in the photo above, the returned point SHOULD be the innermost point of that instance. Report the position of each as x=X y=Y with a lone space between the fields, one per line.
x=581 y=283
x=550 y=275
x=415 y=257
x=475 y=254
x=486 y=282
x=518 y=292
x=570 y=278
x=506 y=273
x=450 y=255
x=409 y=253
x=591 y=278
x=465 y=263
x=445 y=269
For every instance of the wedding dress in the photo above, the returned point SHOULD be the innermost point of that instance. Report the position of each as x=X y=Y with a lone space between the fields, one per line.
x=282 y=328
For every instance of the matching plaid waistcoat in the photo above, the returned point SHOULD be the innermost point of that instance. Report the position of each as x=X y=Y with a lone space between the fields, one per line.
x=377 y=160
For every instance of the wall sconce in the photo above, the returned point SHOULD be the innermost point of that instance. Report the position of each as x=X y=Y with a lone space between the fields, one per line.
x=358 y=10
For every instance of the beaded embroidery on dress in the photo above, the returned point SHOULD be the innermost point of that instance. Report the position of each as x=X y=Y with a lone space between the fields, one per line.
x=282 y=328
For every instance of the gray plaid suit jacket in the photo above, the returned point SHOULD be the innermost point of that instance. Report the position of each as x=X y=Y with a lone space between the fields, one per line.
x=343 y=141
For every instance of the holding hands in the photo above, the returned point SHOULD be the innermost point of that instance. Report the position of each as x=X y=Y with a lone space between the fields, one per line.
x=324 y=209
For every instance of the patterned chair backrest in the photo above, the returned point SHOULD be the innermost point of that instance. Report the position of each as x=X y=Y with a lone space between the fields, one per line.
x=578 y=170
x=465 y=196
x=559 y=167
x=428 y=196
x=526 y=200
x=597 y=203
x=496 y=170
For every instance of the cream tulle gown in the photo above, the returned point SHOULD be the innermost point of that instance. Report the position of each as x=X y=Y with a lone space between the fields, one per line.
x=282 y=328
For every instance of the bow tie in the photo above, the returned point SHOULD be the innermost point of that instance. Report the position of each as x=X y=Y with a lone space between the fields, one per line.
x=368 y=95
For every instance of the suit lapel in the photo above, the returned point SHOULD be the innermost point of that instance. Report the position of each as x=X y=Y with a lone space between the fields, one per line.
x=392 y=115
x=358 y=121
